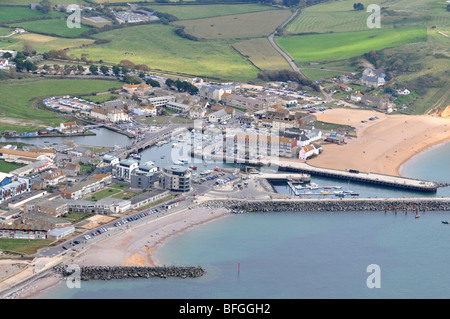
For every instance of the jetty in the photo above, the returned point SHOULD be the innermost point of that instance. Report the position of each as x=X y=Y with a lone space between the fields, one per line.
x=294 y=166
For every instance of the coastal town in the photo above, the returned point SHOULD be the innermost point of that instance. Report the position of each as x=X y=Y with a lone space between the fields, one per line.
x=150 y=153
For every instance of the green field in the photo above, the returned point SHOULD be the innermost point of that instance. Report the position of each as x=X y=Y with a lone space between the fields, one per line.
x=5 y=31
x=42 y=43
x=8 y=14
x=6 y=167
x=340 y=46
x=23 y=246
x=17 y=97
x=186 y=12
x=262 y=54
x=239 y=26
x=57 y=27
x=162 y=50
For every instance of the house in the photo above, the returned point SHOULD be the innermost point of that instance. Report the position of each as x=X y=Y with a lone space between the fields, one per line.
x=373 y=78
x=80 y=152
x=49 y=179
x=306 y=152
x=250 y=104
x=11 y=186
x=45 y=220
x=344 y=87
x=287 y=146
x=70 y=128
x=4 y=64
x=21 y=157
x=72 y=169
x=130 y=88
x=55 y=208
x=178 y=107
x=148 y=197
x=374 y=101
x=197 y=111
x=124 y=169
x=81 y=189
x=145 y=111
x=356 y=97
x=160 y=101
x=403 y=91
x=21 y=231
x=214 y=92
x=219 y=117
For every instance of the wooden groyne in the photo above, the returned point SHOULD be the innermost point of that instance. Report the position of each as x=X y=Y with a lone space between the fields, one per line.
x=330 y=205
x=123 y=272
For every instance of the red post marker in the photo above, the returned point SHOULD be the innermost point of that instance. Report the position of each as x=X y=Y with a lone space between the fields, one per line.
x=239 y=267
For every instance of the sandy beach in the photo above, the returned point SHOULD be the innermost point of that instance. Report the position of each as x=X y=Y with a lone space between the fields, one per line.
x=133 y=247
x=382 y=145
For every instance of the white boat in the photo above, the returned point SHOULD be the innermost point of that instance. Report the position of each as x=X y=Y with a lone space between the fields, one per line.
x=313 y=186
x=175 y=145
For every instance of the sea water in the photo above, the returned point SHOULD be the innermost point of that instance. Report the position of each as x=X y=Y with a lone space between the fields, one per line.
x=295 y=255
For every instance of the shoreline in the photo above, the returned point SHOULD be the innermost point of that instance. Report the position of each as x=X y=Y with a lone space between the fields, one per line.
x=133 y=247
x=424 y=149
x=383 y=145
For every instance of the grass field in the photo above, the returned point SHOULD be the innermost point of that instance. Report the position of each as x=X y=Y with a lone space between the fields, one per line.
x=317 y=74
x=239 y=26
x=5 y=31
x=340 y=46
x=186 y=12
x=42 y=43
x=100 y=98
x=17 y=96
x=57 y=27
x=8 y=14
x=6 y=167
x=262 y=54
x=161 y=49
x=28 y=2
x=23 y=246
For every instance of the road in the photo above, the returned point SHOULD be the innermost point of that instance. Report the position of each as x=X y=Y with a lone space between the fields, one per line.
x=281 y=51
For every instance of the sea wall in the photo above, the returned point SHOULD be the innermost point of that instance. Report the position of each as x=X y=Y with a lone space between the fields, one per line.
x=122 y=272
x=283 y=205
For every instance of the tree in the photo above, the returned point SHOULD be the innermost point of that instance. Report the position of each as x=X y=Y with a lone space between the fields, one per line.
x=358 y=6
x=7 y=55
x=104 y=69
x=93 y=69
x=126 y=64
x=28 y=48
x=116 y=70
x=152 y=82
x=131 y=79
x=45 y=6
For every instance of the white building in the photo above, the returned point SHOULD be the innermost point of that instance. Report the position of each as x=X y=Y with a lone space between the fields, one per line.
x=177 y=107
x=219 y=116
x=124 y=169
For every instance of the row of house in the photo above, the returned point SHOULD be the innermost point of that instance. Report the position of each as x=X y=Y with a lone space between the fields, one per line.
x=83 y=188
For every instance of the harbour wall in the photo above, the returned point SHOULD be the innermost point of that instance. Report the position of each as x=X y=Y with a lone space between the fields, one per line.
x=122 y=272
x=414 y=205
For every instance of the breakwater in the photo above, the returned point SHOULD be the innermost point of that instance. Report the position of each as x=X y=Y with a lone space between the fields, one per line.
x=122 y=272
x=415 y=205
